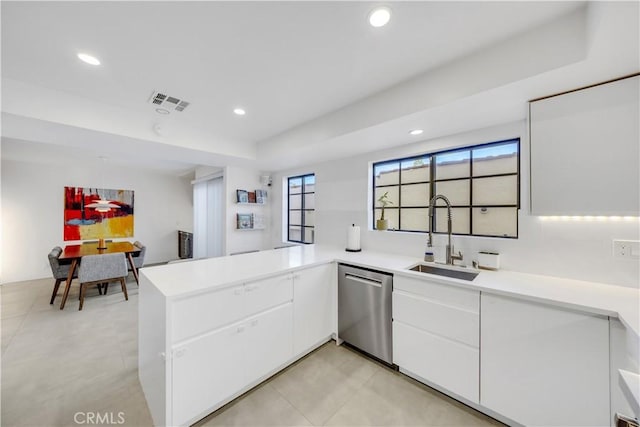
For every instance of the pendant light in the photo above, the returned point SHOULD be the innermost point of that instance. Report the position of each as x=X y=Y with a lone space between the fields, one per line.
x=102 y=206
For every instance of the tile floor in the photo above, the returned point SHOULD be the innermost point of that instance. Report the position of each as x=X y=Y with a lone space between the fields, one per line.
x=59 y=363
x=336 y=386
x=56 y=364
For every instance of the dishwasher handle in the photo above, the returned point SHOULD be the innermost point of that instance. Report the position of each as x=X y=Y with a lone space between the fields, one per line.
x=366 y=280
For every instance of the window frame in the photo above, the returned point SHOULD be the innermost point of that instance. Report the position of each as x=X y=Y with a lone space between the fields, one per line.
x=302 y=209
x=433 y=181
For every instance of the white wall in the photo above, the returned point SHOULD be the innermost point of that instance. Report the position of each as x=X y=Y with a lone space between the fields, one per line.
x=33 y=201
x=577 y=250
x=245 y=240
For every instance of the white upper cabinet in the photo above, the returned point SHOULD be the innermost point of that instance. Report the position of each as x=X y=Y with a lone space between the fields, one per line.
x=585 y=151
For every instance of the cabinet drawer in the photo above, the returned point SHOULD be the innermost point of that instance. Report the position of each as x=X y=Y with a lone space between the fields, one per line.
x=451 y=365
x=451 y=295
x=449 y=322
x=205 y=312
x=263 y=294
x=201 y=313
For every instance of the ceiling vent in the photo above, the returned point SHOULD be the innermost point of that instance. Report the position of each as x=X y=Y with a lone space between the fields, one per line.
x=169 y=103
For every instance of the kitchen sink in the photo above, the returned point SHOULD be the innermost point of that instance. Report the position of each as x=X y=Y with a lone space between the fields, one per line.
x=439 y=271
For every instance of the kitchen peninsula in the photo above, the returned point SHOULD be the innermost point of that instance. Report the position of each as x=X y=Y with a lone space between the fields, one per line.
x=209 y=330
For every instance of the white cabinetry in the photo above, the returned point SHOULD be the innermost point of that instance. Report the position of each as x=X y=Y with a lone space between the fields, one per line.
x=200 y=351
x=209 y=369
x=624 y=355
x=194 y=315
x=436 y=334
x=269 y=342
x=542 y=365
x=584 y=146
x=313 y=308
x=204 y=370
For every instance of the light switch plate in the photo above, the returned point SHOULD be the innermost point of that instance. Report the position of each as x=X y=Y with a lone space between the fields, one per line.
x=629 y=249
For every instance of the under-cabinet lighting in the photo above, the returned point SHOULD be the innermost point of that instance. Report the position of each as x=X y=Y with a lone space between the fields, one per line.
x=589 y=218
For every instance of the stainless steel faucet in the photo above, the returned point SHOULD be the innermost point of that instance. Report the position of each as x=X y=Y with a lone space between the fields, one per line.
x=450 y=255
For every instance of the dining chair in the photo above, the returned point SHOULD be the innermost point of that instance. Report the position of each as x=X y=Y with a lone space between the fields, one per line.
x=102 y=269
x=138 y=259
x=59 y=271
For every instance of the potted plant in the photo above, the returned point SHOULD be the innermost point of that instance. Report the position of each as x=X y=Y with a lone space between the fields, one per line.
x=382 y=223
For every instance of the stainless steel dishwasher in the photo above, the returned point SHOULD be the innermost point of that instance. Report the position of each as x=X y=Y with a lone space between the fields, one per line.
x=364 y=310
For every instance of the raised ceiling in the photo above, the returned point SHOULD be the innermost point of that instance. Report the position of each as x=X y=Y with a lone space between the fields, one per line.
x=307 y=73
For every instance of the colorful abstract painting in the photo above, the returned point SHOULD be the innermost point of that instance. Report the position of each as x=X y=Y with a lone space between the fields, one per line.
x=83 y=223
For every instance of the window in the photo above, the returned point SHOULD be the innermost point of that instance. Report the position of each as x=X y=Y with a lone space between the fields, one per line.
x=301 y=221
x=482 y=183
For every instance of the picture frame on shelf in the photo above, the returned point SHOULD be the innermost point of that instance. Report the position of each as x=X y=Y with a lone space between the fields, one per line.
x=251 y=196
x=261 y=197
x=244 y=221
x=242 y=196
x=258 y=222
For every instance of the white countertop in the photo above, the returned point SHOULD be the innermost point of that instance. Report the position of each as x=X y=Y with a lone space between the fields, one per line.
x=186 y=278
x=632 y=382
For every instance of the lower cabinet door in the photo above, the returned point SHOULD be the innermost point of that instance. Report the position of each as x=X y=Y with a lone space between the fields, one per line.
x=446 y=363
x=544 y=365
x=206 y=371
x=268 y=341
x=313 y=307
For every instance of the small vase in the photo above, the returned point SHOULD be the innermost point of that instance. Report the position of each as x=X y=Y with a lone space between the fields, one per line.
x=382 y=224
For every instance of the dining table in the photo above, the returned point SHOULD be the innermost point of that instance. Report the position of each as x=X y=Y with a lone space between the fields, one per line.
x=74 y=254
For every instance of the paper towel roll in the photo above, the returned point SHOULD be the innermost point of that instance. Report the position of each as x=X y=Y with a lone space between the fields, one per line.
x=353 y=238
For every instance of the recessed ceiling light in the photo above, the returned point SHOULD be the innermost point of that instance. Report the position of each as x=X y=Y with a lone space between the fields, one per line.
x=379 y=17
x=416 y=132
x=239 y=111
x=162 y=111
x=88 y=59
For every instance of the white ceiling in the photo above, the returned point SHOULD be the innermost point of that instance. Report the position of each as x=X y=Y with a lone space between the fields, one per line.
x=307 y=73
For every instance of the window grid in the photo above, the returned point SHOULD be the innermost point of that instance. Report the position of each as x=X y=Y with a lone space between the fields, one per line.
x=432 y=187
x=304 y=180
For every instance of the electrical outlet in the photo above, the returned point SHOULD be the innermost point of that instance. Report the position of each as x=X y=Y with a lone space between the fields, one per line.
x=629 y=249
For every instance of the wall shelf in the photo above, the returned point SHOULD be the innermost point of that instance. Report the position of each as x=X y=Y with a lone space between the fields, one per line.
x=256 y=197
x=250 y=221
